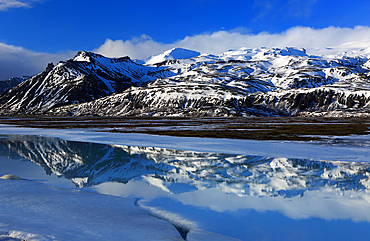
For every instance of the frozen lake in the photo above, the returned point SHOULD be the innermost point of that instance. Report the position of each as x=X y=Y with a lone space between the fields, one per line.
x=243 y=190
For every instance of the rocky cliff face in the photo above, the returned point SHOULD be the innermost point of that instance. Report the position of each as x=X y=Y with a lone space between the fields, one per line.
x=321 y=101
x=244 y=82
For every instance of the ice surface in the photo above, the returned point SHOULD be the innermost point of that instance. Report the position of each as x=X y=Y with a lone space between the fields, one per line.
x=51 y=213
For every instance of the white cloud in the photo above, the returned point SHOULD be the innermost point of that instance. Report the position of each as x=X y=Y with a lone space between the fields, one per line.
x=138 y=48
x=7 y=4
x=221 y=41
x=17 y=61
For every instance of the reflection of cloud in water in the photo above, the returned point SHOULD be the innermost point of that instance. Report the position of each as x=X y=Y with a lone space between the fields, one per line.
x=295 y=187
x=325 y=203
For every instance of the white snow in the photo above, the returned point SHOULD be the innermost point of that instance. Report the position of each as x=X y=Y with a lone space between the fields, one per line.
x=82 y=57
x=175 y=53
x=350 y=49
x=43 y=212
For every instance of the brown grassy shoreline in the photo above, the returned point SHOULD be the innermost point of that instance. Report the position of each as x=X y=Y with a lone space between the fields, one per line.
x=256 y=128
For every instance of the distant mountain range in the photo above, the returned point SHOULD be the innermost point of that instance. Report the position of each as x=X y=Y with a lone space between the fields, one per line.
x=180 y=82
x=5 y=85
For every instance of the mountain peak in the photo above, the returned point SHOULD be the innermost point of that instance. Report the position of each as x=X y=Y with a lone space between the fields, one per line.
x=293 y=51
x=82 y=56
x=85 y=56
x=174 y=53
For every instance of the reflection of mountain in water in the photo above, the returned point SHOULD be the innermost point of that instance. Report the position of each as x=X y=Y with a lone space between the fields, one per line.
x=88 y=164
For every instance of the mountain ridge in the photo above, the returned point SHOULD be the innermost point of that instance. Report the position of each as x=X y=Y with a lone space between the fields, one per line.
x=179 y=82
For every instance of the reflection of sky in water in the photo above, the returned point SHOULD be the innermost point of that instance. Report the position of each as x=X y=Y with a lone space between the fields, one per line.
x=246 y=197
x=319 y=215
x=31 y=171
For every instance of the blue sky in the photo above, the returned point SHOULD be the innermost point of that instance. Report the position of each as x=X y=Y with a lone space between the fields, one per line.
x=42 y=31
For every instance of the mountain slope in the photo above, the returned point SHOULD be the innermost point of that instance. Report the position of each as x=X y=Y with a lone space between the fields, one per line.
x=86 y=77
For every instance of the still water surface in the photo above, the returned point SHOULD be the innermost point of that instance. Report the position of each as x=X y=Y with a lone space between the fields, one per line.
x=244 y=197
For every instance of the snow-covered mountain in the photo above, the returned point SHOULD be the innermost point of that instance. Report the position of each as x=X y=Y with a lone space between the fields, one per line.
x=179 y=82
x=86 y=77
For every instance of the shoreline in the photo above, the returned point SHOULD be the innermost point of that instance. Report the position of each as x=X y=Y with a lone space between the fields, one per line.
x=249 y=128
